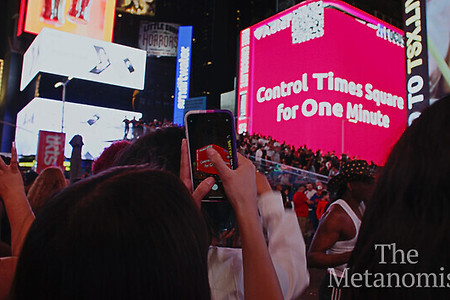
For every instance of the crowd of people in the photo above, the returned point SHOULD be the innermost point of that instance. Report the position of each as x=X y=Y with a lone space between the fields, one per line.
x=142 y=127
x=300 y=174
x=266 y=148
x=137 y=229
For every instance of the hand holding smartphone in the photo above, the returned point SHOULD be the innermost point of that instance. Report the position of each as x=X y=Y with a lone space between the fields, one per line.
x=210 y=129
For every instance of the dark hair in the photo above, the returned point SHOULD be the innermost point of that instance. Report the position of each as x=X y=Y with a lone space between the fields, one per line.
x=161 y=149
x=126 y=233
x=410 y=207
x=108 y=156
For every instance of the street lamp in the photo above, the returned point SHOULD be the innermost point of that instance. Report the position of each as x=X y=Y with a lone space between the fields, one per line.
x=63 y=84
x=343 y=131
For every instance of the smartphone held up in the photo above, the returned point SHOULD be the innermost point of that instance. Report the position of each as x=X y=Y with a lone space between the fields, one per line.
x=210 y=129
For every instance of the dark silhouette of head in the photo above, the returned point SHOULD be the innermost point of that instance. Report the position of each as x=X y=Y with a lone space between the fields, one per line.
x=161 y=149
x=411 y=208
x=357 y=172
x=126 y=233
x=108 y=156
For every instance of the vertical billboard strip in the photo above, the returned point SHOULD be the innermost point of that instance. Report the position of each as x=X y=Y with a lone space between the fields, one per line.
x=417 y=82
x=438 y=43
x=244 y=65
x=182 y=76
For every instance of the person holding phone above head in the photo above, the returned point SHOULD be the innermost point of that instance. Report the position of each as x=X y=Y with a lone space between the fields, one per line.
x=163 y=150
x=286 y=245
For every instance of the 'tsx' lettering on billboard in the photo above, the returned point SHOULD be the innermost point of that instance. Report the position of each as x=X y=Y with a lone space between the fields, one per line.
x=327 y=75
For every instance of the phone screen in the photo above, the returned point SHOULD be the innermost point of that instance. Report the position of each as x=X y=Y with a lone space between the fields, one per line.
x=210 y=129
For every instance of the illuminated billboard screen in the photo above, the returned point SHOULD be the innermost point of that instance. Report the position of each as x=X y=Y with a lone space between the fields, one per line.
x=158 y=38
x=66 y=54
x=438 y=40
x=137 y=7
x=91 y=18
x=427 y=26
x=99 y=126
x=324 y=74
x=182 y=73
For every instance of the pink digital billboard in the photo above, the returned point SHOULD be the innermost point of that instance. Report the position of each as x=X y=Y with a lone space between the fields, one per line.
x=327 y=75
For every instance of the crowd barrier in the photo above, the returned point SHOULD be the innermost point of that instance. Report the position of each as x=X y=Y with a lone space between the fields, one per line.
x=287 y=176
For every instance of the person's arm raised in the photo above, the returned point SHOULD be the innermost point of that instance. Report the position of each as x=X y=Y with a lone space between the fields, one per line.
x=285 y=242
x=17 y=207
x=260 y=278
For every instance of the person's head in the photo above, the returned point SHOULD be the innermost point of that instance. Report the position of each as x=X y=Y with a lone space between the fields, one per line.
x=28 y=179
x=411 y=207
x=309 y=186
x=161 y=149
x=319 y=191
x=355 y=181
x=126 y=233
x=301 y=188
x=319 y=184
x=108 y=156
x=48 y=182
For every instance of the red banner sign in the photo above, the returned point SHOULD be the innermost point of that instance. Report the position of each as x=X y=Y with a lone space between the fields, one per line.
x=50 y=149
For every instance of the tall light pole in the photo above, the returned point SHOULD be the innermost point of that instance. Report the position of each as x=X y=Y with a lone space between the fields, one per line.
x=63 y=84
x=343 y=134
x=343 y=131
